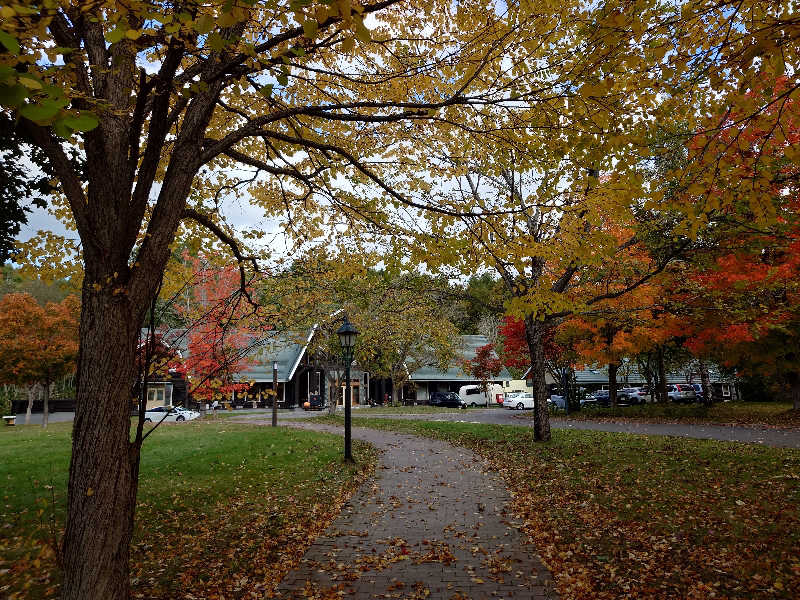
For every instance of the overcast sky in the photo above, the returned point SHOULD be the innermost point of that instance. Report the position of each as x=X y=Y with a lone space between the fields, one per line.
x=40 y=219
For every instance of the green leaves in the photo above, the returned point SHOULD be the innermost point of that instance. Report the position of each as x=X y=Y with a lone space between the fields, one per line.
x=44 y=112
x=10 y=42
x=204 y=24
x=82 y=122
x=116 y=34
x=310 y=28
x=12 y=95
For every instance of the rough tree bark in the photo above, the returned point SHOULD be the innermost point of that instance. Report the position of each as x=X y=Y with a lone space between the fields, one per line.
x=534 y=335
x=612 y=383
x=794 y=386
x=104 y=467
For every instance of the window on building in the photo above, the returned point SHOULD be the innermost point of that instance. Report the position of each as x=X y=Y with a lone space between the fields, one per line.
x=155 y=396
x=726 y=390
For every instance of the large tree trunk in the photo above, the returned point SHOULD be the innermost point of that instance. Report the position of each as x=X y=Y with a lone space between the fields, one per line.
x=662 y=376
x=31 y=397
x=794 y=386
x=45 y=404
x=104 y=468
x=705 y=381
x=534 y=335
x=612 y=384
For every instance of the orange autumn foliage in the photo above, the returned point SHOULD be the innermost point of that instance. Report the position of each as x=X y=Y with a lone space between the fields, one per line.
x=37 y=344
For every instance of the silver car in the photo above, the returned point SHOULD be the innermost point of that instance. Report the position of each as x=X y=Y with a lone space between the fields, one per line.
x=633 y=395
x=681 y=392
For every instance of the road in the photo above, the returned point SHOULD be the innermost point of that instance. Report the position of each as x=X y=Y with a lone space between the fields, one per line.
x=779 y=438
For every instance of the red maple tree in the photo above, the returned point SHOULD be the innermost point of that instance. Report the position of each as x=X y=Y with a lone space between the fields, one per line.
x=484 y=365
x=744 y=299
x=219 y=337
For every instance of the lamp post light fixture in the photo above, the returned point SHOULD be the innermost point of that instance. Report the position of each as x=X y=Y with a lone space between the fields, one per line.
x=347 y=338
x=275 y=390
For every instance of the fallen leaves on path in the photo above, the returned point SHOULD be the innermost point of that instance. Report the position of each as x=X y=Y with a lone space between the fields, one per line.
x=647 y=517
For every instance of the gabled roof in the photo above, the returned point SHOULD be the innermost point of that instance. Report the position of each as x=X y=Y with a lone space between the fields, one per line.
x=289 y=349
x=600 y=376
x=286 y=350
x=468 y=350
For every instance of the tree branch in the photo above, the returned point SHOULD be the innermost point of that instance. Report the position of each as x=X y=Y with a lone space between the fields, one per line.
x=70 y=183
x=228 y=240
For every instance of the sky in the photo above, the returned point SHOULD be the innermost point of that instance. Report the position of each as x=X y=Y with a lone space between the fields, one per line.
x=41 y=219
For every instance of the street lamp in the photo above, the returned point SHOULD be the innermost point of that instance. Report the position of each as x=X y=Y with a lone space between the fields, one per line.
x=347 y=338
x=275 y=389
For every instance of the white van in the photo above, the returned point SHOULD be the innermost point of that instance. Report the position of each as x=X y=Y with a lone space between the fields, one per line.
x=472 y=395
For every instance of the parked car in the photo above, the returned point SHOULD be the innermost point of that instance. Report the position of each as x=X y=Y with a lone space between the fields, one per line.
x=633 y=395
x=597 y=398
x=558 y=401
x=681 y=392
x=519 y=402
x=447 y=400
x=698 y=390
x=473 y=395
x=174 y=413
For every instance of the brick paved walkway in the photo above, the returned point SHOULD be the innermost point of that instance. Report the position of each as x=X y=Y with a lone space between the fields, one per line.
x=431 y=524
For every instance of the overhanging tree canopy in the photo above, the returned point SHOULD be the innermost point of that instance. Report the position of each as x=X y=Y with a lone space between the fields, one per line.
x=327 y=118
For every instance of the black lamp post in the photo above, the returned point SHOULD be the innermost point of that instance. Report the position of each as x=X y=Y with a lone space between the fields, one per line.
x=347 y=338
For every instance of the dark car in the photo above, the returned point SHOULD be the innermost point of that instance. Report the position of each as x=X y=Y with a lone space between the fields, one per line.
x=315 y=402
x=598 y=398
x=446 y=399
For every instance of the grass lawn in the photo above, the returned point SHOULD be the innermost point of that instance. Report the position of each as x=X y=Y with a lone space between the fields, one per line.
x=620 y=516
x=773 y=414
x=224 y=508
